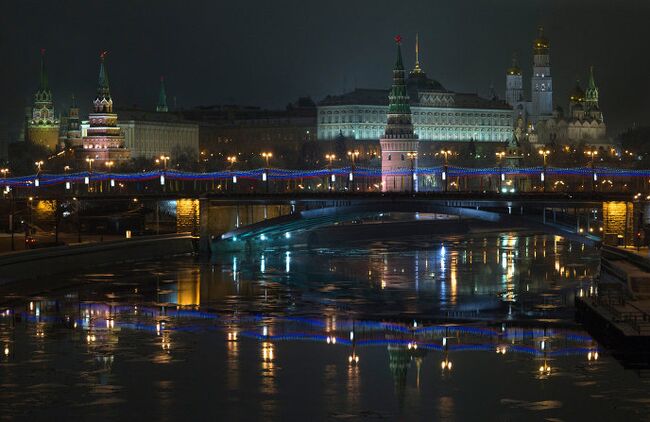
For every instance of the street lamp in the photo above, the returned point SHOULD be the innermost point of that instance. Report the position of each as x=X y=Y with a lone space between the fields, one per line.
x=4 y=172
x=353 y=155
x=330 y=158
x=500 y=156
x=232 y=160
x=544 y=153
x=39 y=165
x=412 y=156
x=267 y=156
x=109 y=164
x=90 y=163
x=445 y=153
x=164 y=159
x=592 y=153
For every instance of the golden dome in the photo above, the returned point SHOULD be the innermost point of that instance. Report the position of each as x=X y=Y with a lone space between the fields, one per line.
x=541 y=43
x=578 y=94
x=514 y=69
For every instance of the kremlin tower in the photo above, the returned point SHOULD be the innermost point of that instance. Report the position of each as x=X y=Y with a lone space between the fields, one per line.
x=399 y=145
x=42 y=124
x=161 y=107
x=73 y=129
x=103 y=140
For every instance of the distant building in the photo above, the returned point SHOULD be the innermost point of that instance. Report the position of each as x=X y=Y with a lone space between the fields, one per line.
x=102 y=139
x=541 y=122
x=70 y=128
x=438 y=114
x=152 y=134
x=243 y=129
x=41 y=121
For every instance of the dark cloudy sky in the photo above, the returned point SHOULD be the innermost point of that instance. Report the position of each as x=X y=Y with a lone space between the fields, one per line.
x=263 y=52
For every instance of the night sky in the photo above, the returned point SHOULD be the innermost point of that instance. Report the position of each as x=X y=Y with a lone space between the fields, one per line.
x=267 y=53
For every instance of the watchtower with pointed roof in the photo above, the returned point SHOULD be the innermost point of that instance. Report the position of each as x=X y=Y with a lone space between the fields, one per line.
x=43 y=125
x=399 y=144
x=103 y=140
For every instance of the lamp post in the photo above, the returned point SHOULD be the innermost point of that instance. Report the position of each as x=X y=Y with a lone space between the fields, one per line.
x=4 y=172
x=353 y=155
x=544 y=153
x=164 y=159
x=500 y=156
x=330 y=158
x=232 y=159
x=39 y=165
x=445 y=153
x=412 y=156
x=109 y=165
x=90 y=164
x=592 y=153
x=267 y=156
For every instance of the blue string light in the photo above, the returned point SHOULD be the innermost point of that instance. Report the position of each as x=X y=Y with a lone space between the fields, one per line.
x=45 y=180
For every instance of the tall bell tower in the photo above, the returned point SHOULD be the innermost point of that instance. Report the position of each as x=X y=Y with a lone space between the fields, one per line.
x=541 y=82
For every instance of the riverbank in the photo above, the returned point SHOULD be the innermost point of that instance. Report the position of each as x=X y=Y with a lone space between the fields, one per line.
x=36 y=263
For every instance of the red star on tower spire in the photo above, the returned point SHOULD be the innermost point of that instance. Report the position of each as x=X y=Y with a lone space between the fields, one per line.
x=398 y=39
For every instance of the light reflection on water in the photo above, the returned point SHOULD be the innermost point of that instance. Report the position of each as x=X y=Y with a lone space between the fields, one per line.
x=447 y=330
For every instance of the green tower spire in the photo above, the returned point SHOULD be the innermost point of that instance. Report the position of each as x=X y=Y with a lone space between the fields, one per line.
x=399 y=124
x=162 y=97
x=103 y=103
x=591 y=96
x=44 y=84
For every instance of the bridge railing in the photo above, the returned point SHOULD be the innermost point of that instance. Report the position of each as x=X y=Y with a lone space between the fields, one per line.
x=448 y=178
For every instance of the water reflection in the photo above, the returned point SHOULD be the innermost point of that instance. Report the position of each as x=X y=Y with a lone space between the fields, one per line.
x=413 y=329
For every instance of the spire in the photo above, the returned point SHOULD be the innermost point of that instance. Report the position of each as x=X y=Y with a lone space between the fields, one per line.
x=399 y=64
x=417 y=68
x=592 y=82
x=592 y=90
x=162 y=97
x=399 y=125
x=73 y=102
x=103 y=102
x=43 y=85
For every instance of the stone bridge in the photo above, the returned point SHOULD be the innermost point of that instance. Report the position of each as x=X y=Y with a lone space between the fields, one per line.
x=252 y=222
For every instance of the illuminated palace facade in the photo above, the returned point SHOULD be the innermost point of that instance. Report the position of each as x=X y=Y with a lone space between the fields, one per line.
x=438 y=114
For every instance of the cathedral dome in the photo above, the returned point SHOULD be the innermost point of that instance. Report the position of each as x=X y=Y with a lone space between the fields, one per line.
x=578 y=94
x=541 y=43
x=514 y=70
x=420 y=82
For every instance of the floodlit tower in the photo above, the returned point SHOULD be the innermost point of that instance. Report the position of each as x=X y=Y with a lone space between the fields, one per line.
x=399 y=145
x=42 y=124
x=541 y=82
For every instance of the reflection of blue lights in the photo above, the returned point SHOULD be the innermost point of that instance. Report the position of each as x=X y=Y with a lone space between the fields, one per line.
x=287 y=262
x=262 y=264
x=262 y=237
x=287 y=235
